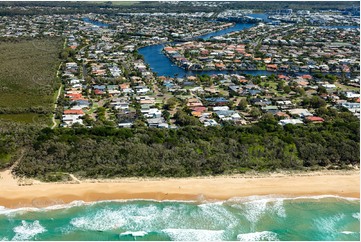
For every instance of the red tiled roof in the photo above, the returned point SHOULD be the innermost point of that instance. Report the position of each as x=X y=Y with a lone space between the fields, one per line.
x=307 y=77
x=98 y=92
x=282 y=77
x=73 y=111
x=199 y=109
x=272 y=66
x=315 y=119
x=74 y=95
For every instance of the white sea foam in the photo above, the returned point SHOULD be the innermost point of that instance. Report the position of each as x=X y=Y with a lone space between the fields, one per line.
x=194 y=234
x=272 y=197
x=279 y=208
x=254 y=207
x=356 y=216
x=102 y=220
x=324 y=196
x=4 y=210
x=217 y=215
x=76 y=203
x=4 y=239
x=135 y=233
x=348 y=232
x=131 y=217
x=258 y=236
x=329 y=225
x=27 y=230
x=13 y=211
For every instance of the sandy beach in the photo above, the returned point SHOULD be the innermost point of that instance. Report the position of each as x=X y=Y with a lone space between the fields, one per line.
x=340 y=183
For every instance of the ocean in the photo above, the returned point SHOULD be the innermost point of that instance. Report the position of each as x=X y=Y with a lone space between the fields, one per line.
x=260 y=218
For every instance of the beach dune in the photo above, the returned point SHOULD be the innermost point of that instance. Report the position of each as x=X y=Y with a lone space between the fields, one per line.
x=340 y=183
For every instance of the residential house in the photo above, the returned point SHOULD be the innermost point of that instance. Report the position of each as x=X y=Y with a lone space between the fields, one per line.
x=290 y=121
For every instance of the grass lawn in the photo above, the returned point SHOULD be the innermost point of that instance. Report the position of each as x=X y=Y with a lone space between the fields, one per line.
x=159 y=100
x=27 y=77
x=346 y=88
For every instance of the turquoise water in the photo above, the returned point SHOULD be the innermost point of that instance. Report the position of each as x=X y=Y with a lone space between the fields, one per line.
x=250 y=218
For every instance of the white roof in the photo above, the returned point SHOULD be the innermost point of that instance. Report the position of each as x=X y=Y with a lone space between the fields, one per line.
x=290 y=121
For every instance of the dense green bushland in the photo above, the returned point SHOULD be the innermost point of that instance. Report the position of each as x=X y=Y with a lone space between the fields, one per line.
x=191 y=150
x=14 y=138
x=28 y=76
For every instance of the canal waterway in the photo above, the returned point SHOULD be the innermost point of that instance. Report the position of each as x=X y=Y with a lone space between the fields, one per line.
x=97 y=23
x=236 y=27
x=163 y=66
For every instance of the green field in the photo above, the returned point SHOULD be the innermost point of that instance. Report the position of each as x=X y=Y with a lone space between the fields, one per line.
x=28 y=78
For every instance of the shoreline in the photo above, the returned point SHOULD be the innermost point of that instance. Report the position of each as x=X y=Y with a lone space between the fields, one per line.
x=325 y=183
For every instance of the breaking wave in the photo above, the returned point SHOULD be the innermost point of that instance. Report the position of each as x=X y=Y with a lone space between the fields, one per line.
x=100 y=221
x=27 y=230
x=258 y=236
x=242 y=218
x=356 y=216
x=329 y=225
x=194 y=234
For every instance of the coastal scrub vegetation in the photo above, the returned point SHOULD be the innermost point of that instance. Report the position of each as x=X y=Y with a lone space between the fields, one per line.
x=27 y=78
x=103 y=152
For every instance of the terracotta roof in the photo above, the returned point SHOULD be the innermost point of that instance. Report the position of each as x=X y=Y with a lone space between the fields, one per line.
x=315 y=119
x=196 y=114
x=307 y=77
x=73 y=111
x=199 y=109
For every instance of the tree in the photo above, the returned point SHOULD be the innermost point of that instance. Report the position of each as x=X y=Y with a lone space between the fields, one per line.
x=321 y=90
x=183 y=119
x=243 y=104
x=287 y=89
x=300 y=91
x=64 y=55
x=166 y=115
x=317 y=102
x=255 y=112
x=280 y=85
x=171 y=103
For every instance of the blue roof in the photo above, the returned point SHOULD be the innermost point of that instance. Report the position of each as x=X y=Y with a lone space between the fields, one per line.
x=225 y=112
x=253 y=91
x=100 y=87
x=168 y=84
x=188 y=83
x=216 y=99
